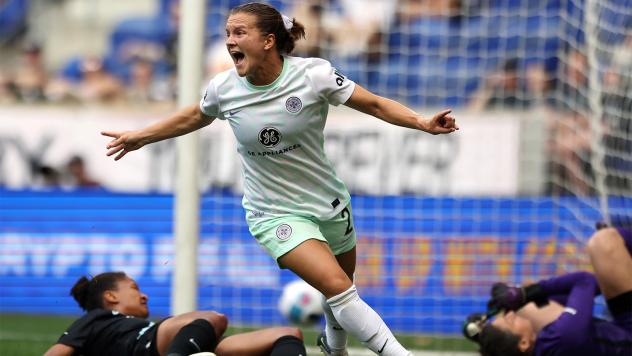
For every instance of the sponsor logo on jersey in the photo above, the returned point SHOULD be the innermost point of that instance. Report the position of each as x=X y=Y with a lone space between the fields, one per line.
x=293 y=104
x=275 y=152
x=269 y=137
x=283 y=232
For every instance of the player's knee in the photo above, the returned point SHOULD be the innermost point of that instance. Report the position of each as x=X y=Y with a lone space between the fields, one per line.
x=291 y=331
x=337 y=284
x=218 y=320
x=603 y=243
x=200 y=335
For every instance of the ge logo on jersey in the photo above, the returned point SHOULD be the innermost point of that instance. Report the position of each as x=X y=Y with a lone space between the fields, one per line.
x=269 y=137
x=293 y=104
x=283 y=232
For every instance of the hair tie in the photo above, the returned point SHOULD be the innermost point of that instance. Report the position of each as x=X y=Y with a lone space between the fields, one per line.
x=287 y=22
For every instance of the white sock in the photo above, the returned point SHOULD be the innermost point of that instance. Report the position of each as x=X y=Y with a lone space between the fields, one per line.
x=361 y=321
x=336 y=335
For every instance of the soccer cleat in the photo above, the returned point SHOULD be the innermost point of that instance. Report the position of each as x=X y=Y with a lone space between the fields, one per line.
x=321 y=342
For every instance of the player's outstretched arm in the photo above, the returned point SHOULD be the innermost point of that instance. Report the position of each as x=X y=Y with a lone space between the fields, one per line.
x=182 y=122
x=398 y=114
x=60 y=350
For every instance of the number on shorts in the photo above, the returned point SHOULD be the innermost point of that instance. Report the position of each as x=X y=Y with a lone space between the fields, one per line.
x=346 y=215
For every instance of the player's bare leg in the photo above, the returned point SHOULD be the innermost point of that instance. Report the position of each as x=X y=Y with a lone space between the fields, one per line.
x=314 y=262
x=333 y=340
x=611 y=261
x=257 y=343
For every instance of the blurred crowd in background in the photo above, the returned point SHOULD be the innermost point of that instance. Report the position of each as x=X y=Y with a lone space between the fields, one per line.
x=73 y=174
x=479 y=54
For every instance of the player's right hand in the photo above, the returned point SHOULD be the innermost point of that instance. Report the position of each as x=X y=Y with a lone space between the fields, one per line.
x=506 y=297
x=122 y=143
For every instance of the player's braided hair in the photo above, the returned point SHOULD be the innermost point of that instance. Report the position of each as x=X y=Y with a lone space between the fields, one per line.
x=494 y=341
x=270 y=21
x=89 y=292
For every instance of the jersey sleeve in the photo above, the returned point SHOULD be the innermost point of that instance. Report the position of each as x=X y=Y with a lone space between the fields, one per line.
x=329 y=83
x=209 y=104
x=573 y=326
x=76 y=335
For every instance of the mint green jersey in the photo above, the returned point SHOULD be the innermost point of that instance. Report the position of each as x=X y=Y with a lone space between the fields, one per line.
x=279 y=131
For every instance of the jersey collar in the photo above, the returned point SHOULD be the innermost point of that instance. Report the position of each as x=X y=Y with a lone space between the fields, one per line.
x=274 y=84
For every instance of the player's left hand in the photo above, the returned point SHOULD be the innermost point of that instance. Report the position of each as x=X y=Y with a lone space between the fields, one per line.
x=441 y=123
x=122 y=143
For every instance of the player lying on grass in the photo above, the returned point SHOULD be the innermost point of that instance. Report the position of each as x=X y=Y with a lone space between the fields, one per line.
x=555 y=316
x=116 y=323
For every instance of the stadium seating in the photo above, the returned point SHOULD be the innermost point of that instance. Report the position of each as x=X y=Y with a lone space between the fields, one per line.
x=459 y=48
x=13 y=15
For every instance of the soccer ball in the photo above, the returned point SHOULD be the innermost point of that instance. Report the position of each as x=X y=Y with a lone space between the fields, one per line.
x=300 y=303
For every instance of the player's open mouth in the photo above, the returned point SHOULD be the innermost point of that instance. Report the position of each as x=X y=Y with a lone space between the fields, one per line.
x=238 y=57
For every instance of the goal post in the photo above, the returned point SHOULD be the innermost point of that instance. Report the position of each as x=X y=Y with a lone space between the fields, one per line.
x=187 y=194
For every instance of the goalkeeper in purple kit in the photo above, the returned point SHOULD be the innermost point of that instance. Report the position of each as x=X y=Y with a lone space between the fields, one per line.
x=555 y=316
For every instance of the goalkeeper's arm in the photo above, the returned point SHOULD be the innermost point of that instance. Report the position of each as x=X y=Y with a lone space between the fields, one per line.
x=575 y=319
x=578 y=286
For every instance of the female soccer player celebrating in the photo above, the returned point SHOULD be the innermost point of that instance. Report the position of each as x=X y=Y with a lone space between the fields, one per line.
x=116 y=323
x=566 y=326
x=296 y=206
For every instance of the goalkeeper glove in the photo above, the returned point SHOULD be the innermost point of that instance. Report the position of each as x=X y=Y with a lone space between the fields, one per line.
x=513 y=298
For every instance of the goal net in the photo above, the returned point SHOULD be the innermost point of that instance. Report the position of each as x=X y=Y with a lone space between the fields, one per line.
x=542 y=92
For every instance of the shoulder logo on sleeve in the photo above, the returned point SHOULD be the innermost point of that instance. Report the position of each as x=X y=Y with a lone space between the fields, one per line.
x=340 y=79
x=283 y=232
x=293 y=104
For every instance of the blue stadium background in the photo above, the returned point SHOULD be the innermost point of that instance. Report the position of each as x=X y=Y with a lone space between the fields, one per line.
x=33 y=281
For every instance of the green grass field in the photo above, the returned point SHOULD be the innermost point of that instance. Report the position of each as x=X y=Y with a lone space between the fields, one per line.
x=26 y=335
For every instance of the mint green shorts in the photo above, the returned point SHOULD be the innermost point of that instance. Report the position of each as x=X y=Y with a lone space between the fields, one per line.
x=281 y=234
